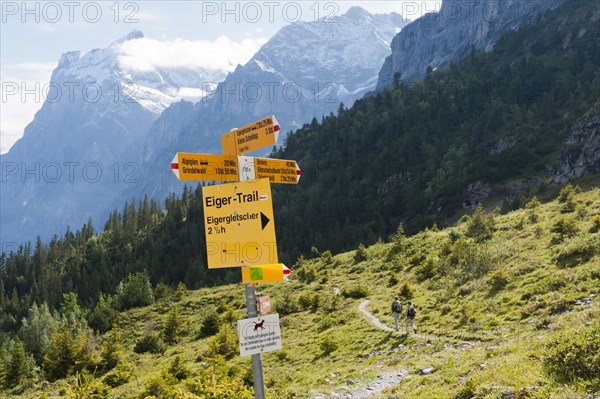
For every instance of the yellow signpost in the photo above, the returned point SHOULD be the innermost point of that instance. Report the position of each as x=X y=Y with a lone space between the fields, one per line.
x=251 y=137
x=187 y=166
x=238 y=224
x=276 y=170
x=262 y=273
x=238 y=217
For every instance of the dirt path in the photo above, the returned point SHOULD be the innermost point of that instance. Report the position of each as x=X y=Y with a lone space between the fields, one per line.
x=384 y=380
x=363 y=309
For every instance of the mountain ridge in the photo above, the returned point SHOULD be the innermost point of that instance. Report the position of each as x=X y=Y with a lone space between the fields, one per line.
x=297 y=75
x=437 y=39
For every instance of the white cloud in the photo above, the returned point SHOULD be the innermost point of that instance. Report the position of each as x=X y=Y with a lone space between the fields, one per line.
x=221 y=54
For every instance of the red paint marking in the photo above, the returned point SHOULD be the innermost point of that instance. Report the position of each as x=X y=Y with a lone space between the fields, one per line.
x=174 y=166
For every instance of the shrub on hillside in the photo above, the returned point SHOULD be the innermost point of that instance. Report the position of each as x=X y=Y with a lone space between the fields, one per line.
x=172 y=326
x=83 y=385
x=118 y=376
x=225 y=343
x=162 y=290
x=328 y=345
x=480 y=225
x=566 y=198
x=133 y=291
x=230 y=316
x=571 y=357
x=104 y=315
x=161 y=386
x=327 y=257
x=150 y=342
x=111 y=350
x=563 y=228
x=498 y=280
x=220 y=381
x=361 y=254
x=577 y=251
x=307 y=273
x=210 y=324
x=325 y=323
x=470 y=260
x=417 y=258
x=178 y=369
x=304 y=300
x=467 y=391
x=67 y=353
x=393 y=279
x=406 y=292
x=17 y=368
x=426 y=270
x=356 y=292
x=399 y=240
x=532 y=207
x=286 y=305
x=180 y=291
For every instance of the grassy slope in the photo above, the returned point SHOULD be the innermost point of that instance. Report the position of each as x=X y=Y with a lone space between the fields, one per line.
x=507 y=326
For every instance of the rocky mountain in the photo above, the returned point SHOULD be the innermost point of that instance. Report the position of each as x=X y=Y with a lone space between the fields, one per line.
x=581 y=151
x=80 y=156
x=437 y=39
x=305 y=70
x=81 y=151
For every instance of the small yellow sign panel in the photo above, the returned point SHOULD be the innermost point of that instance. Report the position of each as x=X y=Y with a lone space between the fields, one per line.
x=262 y=273
x=278 y=171
x=205 y=167
x=238 y=224
x=254 y=136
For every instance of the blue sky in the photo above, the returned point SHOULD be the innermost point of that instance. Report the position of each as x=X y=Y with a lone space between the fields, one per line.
x=34 y=34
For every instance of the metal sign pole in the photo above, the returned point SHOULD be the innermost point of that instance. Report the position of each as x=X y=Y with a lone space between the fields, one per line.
x=257 y=370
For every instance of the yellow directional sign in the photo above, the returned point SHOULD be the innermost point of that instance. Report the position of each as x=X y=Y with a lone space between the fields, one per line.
x=262 y=273
x=276 y=170
x=187 y=166
x=238 y=224
x=251 y=137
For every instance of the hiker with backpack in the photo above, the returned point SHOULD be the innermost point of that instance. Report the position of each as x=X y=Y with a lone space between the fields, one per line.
x=411 y=312
x=396 y=311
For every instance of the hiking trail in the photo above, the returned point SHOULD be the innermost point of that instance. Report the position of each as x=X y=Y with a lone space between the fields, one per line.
x=363 y=309
x=385 y=379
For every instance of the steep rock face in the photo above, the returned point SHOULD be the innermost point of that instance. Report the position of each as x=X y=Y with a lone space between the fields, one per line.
x=305 y=70
x=581 y=153
x=436 y=39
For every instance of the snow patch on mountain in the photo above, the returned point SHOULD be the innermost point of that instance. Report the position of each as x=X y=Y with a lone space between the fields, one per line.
x=155 y=74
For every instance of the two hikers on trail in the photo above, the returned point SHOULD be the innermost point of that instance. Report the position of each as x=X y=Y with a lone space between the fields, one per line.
x=409 y=320
x=396 y=311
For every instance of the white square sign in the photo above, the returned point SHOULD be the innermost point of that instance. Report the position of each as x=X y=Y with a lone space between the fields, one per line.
x=259 y=334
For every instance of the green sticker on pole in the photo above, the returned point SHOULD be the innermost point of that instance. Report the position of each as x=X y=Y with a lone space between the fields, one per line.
x=256 y=273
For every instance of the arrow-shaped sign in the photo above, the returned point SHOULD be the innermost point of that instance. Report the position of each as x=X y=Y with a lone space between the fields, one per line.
x=187 y=166
x=265 y=273
x=211 y=167
x=251 y=137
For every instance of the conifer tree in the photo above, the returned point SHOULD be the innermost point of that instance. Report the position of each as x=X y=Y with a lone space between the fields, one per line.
x=17 y=367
